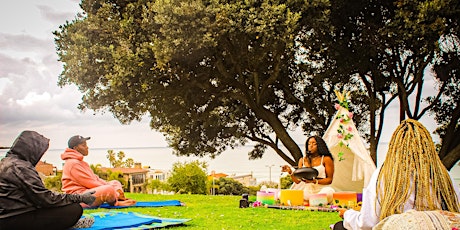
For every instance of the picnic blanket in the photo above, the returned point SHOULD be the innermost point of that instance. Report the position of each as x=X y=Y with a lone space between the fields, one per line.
x=145 y=204
x=129 y=220
x=319 y=209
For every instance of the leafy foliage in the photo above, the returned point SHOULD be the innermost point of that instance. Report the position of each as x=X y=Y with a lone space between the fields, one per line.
x=210 y=74
x=434 y=26
x=109 y=175
x=218 y=74
x=253 y=190
x=158 y=185
x=96 y=169
x=188 y=177
x=286 y=182
x=54 y=183
x=229 y=186
x=116 y=175
x=269 y=184
x=388 y=49
x=118 y=161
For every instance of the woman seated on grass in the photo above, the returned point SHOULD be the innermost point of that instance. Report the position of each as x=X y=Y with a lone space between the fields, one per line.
x=319 y=157
x=411 y=178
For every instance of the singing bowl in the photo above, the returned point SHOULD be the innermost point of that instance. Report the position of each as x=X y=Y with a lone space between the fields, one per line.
x=305 y=173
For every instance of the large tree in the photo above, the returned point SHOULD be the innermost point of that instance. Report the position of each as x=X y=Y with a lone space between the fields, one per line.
x=211 y=74
x=434 y=25
x=217 y=74
x=389 y=49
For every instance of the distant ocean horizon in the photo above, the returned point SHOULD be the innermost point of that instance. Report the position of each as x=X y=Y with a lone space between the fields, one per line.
x=233 y=162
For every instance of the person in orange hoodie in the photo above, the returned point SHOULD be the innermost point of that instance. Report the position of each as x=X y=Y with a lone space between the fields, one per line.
x=78 y=177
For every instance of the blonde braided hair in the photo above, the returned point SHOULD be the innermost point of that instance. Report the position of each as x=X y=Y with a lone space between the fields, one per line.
x=412 y=157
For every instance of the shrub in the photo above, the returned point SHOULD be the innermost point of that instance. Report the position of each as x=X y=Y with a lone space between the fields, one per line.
x=54 y=183
x=229 y=186
x=188 y=177
x=286 y=182
x=158 y=185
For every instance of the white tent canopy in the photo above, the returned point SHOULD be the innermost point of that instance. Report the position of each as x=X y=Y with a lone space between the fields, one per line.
x=353 y=171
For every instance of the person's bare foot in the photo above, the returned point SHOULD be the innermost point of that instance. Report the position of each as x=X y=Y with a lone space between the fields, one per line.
x=121 y=195
x=126 y=202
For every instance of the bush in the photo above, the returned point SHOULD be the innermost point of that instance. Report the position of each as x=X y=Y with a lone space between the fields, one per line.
x=158 y=185
x=54 y=183
x=109 y=175
x=188 y=177
x=229 y=186
x=253 y=190
x=286 y=182
x=117 y=176
x=269 y=184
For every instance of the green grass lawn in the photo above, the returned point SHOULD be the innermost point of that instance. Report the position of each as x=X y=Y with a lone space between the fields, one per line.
x=223 y=212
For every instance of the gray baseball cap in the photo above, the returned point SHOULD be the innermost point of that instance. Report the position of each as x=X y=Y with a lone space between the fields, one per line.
x=76 y=140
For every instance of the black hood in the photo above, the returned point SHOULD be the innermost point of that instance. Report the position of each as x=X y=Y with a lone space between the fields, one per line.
x=29 y=146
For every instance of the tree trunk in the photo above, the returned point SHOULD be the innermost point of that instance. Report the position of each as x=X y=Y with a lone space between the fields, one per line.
x=451 y=158
x=280 y=132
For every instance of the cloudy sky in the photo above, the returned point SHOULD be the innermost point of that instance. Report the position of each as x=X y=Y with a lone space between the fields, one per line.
x=29 y=95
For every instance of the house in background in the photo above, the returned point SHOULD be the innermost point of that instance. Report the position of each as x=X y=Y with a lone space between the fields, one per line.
x=46 y=169
x=161 y=176
x=216 y=176
x=158 y=174
x=136 y=177
x=247 y=179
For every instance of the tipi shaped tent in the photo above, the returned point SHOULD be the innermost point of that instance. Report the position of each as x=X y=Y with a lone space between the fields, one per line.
x=353 y=164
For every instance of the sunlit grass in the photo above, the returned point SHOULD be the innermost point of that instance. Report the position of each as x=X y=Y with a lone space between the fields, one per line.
x=223 y=212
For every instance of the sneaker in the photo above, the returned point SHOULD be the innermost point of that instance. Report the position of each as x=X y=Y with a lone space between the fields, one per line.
x=84 y=222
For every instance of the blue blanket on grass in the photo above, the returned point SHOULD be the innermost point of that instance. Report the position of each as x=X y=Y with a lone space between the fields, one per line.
x=129 y=220
x=146 y=204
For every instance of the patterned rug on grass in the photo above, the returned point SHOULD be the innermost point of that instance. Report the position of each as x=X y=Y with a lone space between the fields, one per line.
x=318 y=209
x=129 y=220
x=147 y=204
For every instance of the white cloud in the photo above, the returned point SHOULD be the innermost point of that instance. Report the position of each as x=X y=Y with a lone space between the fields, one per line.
x=29 y=70
x=33 y=98
x=4 y=83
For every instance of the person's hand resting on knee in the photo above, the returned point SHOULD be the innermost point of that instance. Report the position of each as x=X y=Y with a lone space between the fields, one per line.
x=123 y=201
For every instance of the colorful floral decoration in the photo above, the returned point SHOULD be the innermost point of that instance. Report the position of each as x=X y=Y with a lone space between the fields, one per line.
x=256 y=204
x=345 y=129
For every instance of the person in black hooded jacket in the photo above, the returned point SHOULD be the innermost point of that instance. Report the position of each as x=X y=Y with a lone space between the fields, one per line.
x=25 y=203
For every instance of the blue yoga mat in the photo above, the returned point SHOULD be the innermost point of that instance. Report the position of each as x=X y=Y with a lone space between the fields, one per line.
x=129 y=220
x=146 y=204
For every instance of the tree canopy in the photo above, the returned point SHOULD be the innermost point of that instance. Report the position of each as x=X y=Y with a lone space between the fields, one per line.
x=229 y=186
x=217 y=74
x=188 y=177
x=117 y=160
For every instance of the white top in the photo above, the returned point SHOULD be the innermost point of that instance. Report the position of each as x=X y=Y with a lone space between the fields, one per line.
x=321 y=169
x=368 y=217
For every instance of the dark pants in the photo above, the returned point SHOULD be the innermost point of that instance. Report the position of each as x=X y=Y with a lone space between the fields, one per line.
x=57 y=218
x=339 y=226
